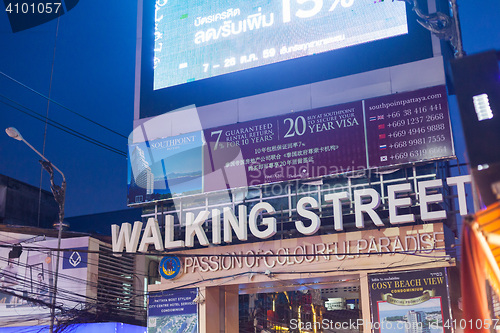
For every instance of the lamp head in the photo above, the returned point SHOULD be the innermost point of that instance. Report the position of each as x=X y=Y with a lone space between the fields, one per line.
x=14 y=133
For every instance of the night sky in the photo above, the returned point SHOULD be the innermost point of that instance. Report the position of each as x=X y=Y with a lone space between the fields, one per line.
x=91 y=55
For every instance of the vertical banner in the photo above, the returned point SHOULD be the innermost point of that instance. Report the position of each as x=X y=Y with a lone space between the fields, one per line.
x=173 y=311
x=203 y=39
x=413 y=301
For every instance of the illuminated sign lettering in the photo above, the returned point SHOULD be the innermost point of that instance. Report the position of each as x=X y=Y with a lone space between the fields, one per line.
x=365 y=201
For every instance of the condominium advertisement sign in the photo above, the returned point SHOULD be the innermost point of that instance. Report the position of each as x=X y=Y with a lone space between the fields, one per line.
x=412 y=301
x=173 y=311
x=380 y=132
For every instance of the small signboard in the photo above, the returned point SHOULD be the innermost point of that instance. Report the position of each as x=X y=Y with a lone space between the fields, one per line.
x=173 y=311
x=75 y=258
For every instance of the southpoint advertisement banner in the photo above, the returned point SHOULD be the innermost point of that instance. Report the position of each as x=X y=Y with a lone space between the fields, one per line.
x=163 y=168
x=413 y=301
x=173 y=311
x=379 y=132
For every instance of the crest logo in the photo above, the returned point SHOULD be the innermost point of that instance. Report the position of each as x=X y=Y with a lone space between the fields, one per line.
x=75 y=259
x=170 y=267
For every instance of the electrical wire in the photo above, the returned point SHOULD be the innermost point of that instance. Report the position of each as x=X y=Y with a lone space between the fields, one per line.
x=29 y=283
x=46 y=121
x=65 y=296
x=66 y=299
x=70 y=278
x=136 y=274
x=55 y=252
x=83 y=282
x=68 y=295
x=62 y=127
x=59 y=104
x=232 y=276
x=244 y=255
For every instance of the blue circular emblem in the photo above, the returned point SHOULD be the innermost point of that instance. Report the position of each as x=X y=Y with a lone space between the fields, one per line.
x=170 y=267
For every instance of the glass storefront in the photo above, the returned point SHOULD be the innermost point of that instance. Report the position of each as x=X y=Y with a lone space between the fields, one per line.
x=312 y=308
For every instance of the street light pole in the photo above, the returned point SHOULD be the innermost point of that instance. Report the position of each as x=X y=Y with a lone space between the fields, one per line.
x=59 y=193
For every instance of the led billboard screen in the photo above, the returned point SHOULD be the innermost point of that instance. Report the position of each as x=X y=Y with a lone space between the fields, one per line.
x=196 y=39
x=199 y=53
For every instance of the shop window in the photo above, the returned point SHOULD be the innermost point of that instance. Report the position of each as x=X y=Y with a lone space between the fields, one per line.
x=295 y=311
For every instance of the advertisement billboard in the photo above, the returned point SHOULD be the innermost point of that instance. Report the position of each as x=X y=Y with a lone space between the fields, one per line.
x=381 y=132
x=165 y=168
x=413 y=301
x=202 y=53
x=195 y=39
x=173 y=311
x=298 y=145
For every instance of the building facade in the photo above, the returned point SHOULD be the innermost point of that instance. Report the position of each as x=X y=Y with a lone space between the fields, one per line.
x=319 y=194
x=93 y=285
x=23 y=204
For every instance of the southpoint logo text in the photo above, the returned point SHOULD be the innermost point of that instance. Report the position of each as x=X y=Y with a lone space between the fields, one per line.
x=225 y=223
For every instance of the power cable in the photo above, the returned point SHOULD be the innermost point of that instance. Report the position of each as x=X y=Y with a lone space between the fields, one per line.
x=89 y=262
x=63 y=294
x=62 y=127
x=72 y=303
x=255 y=255
x=70 y=278
x=70 y=295
x=46 y=121
x=64 y=107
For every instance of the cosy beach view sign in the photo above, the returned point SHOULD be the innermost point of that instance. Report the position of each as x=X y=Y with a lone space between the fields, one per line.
x=417 y=301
